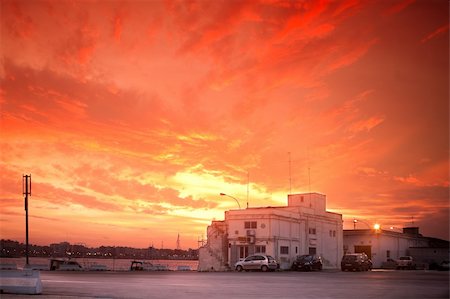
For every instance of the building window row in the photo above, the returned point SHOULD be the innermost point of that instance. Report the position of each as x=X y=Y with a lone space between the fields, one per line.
x=260 y=249
x=332 y=233
x=250 y=224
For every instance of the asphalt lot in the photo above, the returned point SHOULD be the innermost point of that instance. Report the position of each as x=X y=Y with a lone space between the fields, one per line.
x=173 y=284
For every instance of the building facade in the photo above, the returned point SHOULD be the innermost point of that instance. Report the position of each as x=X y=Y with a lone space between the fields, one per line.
x=384 y=245
x=302 y=227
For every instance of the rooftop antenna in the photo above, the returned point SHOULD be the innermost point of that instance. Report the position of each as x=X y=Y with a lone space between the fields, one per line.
x=309 y=179
x=290 y=177
x=248 y=183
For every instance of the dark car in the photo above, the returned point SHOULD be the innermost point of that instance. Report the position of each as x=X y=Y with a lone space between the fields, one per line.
x=356 y=262
x=307 y=263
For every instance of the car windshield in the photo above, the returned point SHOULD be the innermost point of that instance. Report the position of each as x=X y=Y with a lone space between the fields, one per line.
x=305 y=258
x=350 y=258
x=404 y=258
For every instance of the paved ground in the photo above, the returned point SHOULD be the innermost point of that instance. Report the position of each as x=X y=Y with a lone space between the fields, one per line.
x=326 y=284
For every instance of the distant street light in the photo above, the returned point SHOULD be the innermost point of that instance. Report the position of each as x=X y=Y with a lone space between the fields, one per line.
x=359 y=220
x=223 y=194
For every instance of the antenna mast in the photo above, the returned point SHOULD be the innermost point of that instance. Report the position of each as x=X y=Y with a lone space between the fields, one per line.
x=248 y=183
x=290 y=177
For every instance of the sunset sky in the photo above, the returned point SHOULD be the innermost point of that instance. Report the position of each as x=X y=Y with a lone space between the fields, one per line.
x=133 y=116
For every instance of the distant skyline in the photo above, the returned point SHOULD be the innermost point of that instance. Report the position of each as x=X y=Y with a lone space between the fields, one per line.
x=133 y=116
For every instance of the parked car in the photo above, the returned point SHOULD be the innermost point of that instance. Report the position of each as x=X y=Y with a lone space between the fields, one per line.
x=64 y=265
x=356 y=262
x=405 y=262
x=257 y=262
x=444 y=266
x=307 y=262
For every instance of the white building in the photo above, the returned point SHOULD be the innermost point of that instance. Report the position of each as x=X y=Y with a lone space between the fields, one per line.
x=383 y=245
x=302 y=227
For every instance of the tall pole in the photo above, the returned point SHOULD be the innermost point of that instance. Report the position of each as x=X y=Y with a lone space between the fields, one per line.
x=290 y=176
x=248 y=183
x=26 y=188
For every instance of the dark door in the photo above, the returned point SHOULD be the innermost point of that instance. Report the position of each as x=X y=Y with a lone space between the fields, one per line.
x=364 y=249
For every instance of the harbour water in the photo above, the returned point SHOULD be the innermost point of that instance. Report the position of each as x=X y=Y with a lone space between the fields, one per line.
x=111 y=264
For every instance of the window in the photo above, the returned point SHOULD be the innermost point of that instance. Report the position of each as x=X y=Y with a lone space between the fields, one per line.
x=243 y=251
x=312 y=250
x=334 y=233
x=250 y=224
x=284 y=250
x=296 y=249
x=331 y=233
x=260 y=249
x=388 y=253
x=312 y=231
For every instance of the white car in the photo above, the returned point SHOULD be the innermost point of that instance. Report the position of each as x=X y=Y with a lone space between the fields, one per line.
x=257 y=262
x=405 y=262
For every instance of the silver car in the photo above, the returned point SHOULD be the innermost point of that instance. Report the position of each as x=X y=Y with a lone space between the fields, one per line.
x=257 y=262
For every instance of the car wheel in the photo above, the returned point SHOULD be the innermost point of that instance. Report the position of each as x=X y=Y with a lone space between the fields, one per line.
x=264 y=268
x=239 y=268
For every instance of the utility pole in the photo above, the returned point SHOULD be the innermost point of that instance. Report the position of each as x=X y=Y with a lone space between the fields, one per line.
x=248 y=183
x=26 y=189
x=290 y=176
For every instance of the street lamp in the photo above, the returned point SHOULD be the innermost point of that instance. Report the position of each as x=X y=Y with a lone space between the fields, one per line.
x=223 y=194
x=359 y=220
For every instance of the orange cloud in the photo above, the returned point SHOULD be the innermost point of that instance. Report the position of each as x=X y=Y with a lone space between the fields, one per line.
x=130 y=115
x=437 y=32
x=398 y=7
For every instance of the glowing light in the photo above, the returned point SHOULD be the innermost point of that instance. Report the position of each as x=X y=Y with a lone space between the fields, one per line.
x=376 y=226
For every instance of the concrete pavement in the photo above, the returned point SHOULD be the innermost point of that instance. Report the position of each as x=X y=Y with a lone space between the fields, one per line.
x=326 y=284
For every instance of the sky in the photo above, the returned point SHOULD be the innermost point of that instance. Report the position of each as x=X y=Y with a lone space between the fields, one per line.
x=133 y=116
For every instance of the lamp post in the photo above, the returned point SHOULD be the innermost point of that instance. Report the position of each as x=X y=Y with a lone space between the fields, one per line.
x=359 y=220
x=26 y=188
x=223 y=194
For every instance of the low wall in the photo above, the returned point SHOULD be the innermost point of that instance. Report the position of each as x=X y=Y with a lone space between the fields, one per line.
x=20 y=282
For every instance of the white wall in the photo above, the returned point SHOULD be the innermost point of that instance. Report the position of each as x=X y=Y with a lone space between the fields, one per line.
x=396 y=243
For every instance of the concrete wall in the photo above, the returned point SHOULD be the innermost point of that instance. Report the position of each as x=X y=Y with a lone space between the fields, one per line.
x=315 y=201
x=432 y=256
x=214 y=255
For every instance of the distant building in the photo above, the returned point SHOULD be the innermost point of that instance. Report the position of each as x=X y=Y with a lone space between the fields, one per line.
x=382 y=245
x=302 y=227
